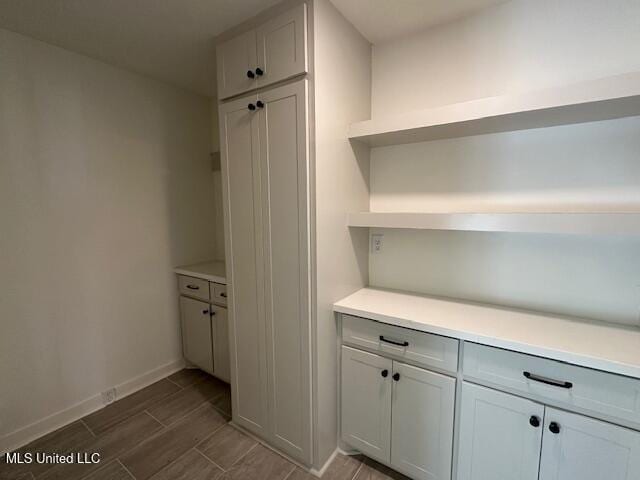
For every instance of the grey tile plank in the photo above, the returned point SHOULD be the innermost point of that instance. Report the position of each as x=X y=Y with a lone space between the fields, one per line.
x=226 y=446
x=117 y=441
x=372 y=470
x=188 y=376
x=186 y=400
x=66 y=439
x=102 y=420
x=166 y=447
x=343 y=467
x=300 y=474
x=112 y=471
x=191 y=466
x=260 y=464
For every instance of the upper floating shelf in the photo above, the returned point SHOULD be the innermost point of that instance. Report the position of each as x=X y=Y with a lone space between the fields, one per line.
x=602 y=99
x=557 y=223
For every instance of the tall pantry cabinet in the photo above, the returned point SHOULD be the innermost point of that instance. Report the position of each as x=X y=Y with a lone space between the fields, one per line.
x=270 y=169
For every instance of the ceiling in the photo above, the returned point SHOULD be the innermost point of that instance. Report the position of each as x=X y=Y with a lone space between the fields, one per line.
x=383 y=20
x=173 y=40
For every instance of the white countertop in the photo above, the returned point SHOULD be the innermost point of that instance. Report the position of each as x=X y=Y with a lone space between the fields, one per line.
x=587 y=343
x=213 y=271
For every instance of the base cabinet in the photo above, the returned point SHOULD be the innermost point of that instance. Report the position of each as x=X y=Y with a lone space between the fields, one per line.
x=398 y=414
x=196 y=333
x=220 y=342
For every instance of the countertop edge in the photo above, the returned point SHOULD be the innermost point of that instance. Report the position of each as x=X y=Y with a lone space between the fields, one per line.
x=203 y=276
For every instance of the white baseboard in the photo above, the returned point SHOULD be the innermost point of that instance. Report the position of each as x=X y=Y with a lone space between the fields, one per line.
x=27 y=434
x=320 y=472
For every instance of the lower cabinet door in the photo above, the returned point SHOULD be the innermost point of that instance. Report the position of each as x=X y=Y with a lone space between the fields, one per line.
x=422 y=419
x=366 y=402
x=500 y=436
x=196 y=333
x=577 y=447
x=220 y=335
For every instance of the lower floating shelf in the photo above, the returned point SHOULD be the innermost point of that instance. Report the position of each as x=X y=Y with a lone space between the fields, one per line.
x=557 y=223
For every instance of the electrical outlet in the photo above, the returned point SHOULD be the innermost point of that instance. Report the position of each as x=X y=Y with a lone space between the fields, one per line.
x=109 y=396
x=376 y=242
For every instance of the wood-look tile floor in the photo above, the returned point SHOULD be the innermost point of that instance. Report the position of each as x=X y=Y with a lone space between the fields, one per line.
x=174 y=429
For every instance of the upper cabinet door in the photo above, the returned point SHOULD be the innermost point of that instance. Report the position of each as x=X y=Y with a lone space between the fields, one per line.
x=500 y=436
x=366 y=402
x=285 y=205
x=240 y=161
x=282 y=46
x=422 y=422
x=577 y=447
x=236 y=64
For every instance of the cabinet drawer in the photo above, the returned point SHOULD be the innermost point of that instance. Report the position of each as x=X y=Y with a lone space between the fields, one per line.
x=608 y=394
x=219 y=293
x=402 y=343
x=193 y=287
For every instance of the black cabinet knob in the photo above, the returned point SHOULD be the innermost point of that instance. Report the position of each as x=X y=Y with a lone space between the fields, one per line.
x=534 y=421
x=396 y=376
x=250 y=74
x=259 y=72
x=259 y=104
x=212 y=313
x=251 y=107
x=205 y=312
x=384 y=373
x=554 y=428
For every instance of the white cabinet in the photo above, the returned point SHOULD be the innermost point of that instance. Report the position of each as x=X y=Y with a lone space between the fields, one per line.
x=398 y=414
x=265 y=181
x=274 y=51
x=366 y=402
x=196 y=333
x=220 y=342
x=422 y=431
x=498 y=435
x=578 y=447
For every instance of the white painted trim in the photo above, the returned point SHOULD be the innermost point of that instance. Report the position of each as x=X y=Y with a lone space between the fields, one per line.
x=37 y=429
x=319 y=473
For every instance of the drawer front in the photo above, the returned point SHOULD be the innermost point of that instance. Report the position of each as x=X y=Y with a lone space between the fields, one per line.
x=604 y=393
x=417 y=347
x=219 y=293
x=193 y=287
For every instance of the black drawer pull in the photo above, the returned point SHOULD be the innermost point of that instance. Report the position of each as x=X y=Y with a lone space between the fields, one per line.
x=193 y=287
x=548 y=381
x=400 y=344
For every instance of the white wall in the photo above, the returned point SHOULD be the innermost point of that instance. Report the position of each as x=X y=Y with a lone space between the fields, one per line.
x=517 y=46
x=104 y=186
x=342 y=177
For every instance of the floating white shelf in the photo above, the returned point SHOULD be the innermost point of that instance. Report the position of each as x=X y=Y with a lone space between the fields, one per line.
x=602 y=99
x=558 y=223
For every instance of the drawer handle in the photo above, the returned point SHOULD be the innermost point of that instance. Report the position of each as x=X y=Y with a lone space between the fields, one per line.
x=193 y=287
x=400 y=344
x=548 y=381
x=223 y=295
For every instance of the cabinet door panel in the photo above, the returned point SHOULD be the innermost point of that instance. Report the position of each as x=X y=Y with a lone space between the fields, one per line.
x=196 y=333
x=588 y=449
x=282 y=46
x=422 y=423
x=496 y=439
x=243 y=238
x=220 y=335
x=283 y=156
x=366 y=403
x=235 y=58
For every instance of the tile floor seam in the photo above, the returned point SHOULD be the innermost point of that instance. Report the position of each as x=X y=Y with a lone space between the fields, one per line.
x=126 y=469
x=291 y=472
x=209 y=436
x=355 y=475
x=175 y=383
x=244 y=455
x=156 y=419
x=209 y=460
x=88 y=428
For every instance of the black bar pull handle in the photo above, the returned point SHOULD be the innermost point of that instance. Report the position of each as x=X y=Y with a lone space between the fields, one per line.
x=400 y=344
x=547 y=381
x=193 y=287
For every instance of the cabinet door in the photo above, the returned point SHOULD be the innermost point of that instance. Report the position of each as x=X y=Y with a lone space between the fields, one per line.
x=196 y=333
x=422 y=422
x=498 y=436
x=220 y=335
x=578 y=447
x=284 y=170
x=235 y=58
x=243 y=240
x=366 y=402
x=282 y=46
